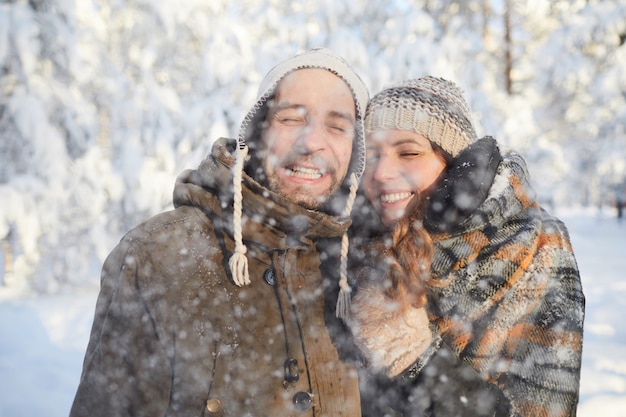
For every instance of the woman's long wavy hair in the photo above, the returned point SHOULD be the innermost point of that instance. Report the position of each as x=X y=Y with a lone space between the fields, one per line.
x=412 y=249
x=409 y=251
x=406 y=248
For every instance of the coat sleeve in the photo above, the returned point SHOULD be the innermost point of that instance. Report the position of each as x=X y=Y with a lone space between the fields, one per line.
x=443 y=386
x=125 y=366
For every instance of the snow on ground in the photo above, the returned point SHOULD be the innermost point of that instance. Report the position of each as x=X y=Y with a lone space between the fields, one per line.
x=599 y=242
x=43 y=338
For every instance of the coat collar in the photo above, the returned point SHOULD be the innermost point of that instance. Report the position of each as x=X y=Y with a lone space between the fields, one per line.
x=463 y=187
x=270 y=220
x=482 y=188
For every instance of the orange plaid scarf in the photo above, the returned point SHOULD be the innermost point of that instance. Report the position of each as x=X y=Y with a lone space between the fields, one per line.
x=505 y=294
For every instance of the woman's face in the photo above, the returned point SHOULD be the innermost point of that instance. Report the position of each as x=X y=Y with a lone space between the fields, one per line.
x=399 y=164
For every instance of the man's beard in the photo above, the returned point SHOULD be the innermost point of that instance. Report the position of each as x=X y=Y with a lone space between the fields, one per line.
x=300 y=195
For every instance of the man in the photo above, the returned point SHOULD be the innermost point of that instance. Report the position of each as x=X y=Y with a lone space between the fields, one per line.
x=217 y=307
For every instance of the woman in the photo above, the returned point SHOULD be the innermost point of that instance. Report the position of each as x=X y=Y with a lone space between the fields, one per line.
x=504 y=300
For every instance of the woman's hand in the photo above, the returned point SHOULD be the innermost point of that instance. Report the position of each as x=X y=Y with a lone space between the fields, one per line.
x=390 y=337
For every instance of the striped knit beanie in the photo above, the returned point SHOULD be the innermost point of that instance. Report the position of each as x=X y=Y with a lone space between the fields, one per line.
x=429 y=106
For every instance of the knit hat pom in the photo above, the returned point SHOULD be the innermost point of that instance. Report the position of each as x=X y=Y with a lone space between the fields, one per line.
x=429 y=106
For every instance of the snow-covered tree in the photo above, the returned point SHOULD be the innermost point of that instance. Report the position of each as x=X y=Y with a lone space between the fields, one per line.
x=103 y=103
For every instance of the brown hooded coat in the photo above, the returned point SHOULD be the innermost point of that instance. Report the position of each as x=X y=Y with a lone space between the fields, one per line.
x=173 y=335
x=167 y=300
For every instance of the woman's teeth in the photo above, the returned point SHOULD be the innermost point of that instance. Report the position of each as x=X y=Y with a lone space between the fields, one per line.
x=394 y=197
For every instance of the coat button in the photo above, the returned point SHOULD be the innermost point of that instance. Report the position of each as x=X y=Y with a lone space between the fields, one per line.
x=302 y=400
x=214 y=408
x=292 y=373
x=269 y=277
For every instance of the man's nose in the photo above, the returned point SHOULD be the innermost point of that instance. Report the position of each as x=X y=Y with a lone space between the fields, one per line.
x=312 y=138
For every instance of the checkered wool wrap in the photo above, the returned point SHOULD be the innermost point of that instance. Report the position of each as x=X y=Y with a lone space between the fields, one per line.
x=506 y=296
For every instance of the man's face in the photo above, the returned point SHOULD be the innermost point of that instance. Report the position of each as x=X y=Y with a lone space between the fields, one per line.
x=307 y=143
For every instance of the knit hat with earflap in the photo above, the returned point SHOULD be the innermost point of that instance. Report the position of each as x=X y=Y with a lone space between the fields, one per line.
x=429 y=106
x=250 y=131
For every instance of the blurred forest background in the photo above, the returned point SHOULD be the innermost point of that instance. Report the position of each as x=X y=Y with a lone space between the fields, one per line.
x=104 y=103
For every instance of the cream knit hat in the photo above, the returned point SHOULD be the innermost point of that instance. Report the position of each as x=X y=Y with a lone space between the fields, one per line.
x=429 y=106
x=321 y=58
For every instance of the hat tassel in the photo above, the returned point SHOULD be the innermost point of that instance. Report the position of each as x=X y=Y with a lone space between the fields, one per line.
x=342 y=309
x=238 y=262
